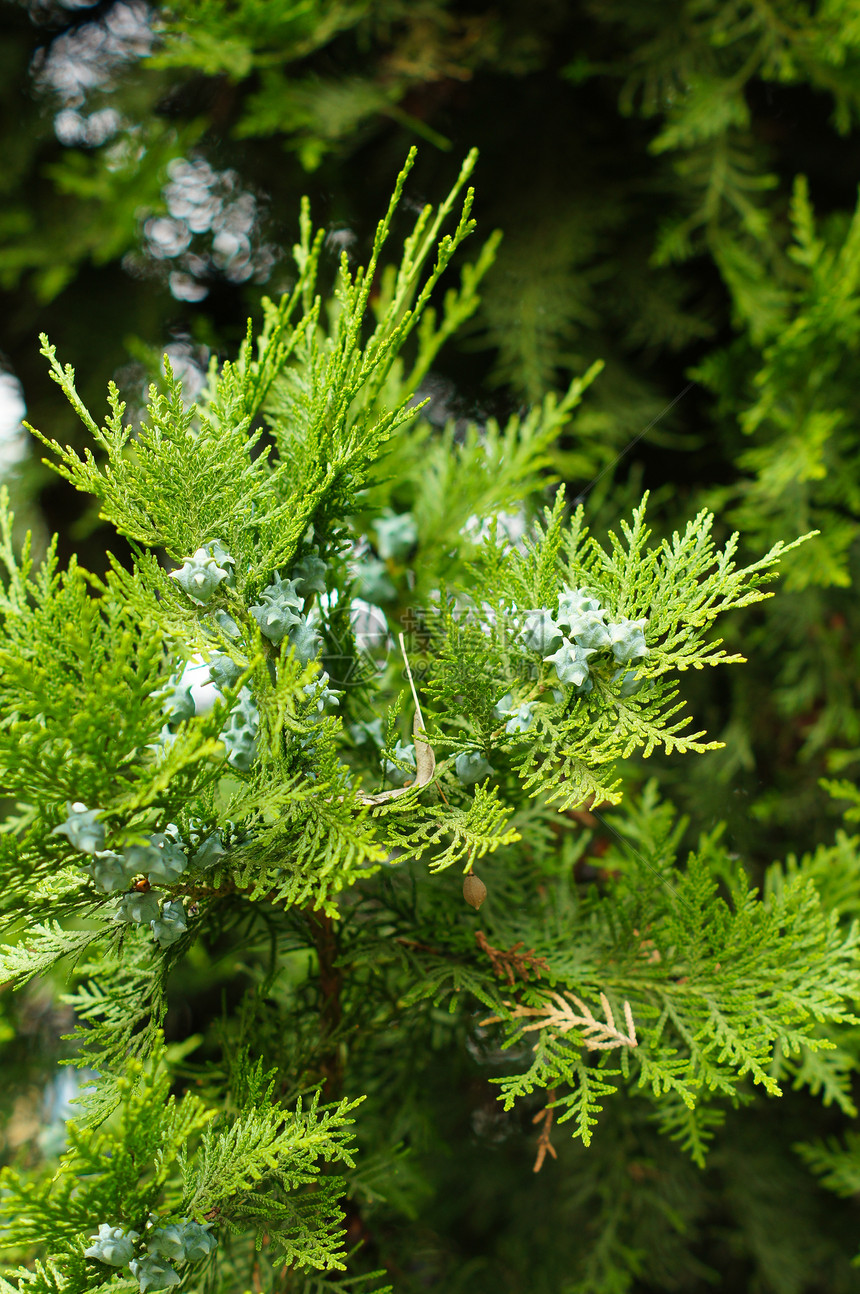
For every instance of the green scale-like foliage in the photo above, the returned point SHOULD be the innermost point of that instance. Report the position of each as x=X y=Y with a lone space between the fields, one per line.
x=156 y=1159
x=299 y=830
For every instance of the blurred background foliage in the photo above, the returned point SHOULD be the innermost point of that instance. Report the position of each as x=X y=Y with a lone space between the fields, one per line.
x=677 y=189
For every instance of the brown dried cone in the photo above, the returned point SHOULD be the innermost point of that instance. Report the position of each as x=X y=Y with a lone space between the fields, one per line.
x=474 y=890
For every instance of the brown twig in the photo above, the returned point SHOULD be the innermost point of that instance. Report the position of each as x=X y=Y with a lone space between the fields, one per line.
x=545 y=1146
x=421 y=948
x=507 y=963
x=331 y=1013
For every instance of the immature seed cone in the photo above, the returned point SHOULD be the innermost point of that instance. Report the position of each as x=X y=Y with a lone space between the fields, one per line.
x=474 y=890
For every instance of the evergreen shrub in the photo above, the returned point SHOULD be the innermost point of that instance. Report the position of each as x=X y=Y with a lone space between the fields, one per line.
x=338 y=738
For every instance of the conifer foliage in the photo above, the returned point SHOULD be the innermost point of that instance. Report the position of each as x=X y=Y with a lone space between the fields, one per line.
x=333 y=682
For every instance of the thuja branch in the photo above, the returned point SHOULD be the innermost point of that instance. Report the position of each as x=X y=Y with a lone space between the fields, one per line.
x=545 y=1146
x=508 y=963
x=557 y=1017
